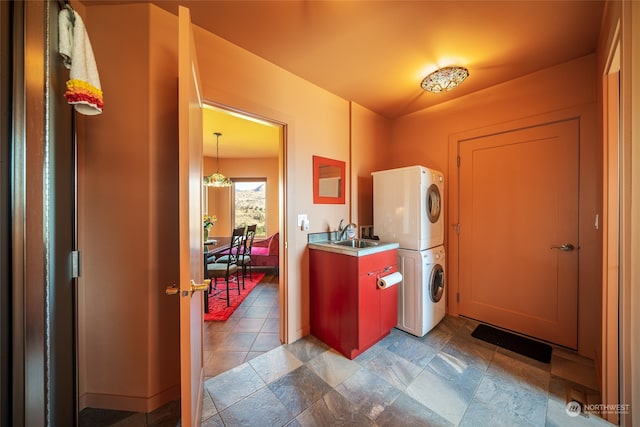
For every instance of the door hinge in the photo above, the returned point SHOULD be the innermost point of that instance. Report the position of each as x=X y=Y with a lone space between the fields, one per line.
x=457 y=296
x=457 y=229
x=458 y=161
x=75 y=264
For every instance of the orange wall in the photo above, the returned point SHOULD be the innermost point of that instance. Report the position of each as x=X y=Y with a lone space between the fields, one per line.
x=128 y=336
x=243 y=168
x=162 y=266
x=370 y=136
x=429 y=137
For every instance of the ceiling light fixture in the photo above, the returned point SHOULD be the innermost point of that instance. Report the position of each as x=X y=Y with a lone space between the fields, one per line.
x=444 y=79
x=217 y=179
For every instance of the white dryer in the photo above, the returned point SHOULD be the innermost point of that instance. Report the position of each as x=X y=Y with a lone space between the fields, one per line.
x=408 y=207
x=422 y=293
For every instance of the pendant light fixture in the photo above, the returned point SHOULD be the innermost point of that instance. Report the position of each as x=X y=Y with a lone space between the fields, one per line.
x=217 y=179
x=444 y=79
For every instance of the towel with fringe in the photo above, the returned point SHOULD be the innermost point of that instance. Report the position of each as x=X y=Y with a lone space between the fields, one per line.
x=83 y=87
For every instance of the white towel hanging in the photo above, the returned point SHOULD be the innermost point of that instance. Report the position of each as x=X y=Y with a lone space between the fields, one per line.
x=83 y=87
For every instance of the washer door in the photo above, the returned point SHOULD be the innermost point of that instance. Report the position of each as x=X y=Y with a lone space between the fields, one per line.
x=436 y=283
x=433 y=203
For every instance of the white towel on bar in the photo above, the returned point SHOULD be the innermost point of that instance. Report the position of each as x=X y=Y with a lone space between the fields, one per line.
x=83 y=87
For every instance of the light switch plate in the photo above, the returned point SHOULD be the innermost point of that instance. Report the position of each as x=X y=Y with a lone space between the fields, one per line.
x=301 y=219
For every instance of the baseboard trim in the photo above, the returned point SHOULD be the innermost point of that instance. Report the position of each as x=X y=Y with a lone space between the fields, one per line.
x=129 y=403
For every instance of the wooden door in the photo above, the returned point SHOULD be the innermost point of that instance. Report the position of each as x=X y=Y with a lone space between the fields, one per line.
x=518 y=207
x=191 y=245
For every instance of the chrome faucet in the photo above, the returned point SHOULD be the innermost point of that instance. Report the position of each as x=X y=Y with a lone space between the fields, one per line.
x=342 y=231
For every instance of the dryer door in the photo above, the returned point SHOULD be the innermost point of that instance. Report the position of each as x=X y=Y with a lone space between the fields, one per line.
x=433 y=203
x=436 y=283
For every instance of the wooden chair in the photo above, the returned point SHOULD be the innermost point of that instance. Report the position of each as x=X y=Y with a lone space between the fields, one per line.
x=225 y=270
x=245 y=259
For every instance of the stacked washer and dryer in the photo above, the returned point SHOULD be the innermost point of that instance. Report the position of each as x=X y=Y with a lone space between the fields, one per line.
x=408 y=209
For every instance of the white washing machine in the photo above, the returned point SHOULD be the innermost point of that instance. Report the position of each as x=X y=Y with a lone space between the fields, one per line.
x=408 y=207
x=422 y=293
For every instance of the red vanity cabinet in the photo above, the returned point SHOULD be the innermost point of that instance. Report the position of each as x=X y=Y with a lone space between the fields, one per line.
x=347 y=309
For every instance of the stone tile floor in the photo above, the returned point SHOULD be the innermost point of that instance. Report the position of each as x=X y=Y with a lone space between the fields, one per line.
x=252 y=330
x=446 y=378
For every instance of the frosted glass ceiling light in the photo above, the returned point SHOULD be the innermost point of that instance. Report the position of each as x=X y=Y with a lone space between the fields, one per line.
x=217 y=179
x=444 y=79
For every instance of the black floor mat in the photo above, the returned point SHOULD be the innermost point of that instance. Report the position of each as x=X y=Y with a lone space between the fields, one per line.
x=525 y=346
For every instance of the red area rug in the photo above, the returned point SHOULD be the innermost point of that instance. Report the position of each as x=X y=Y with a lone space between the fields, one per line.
x=218 y=309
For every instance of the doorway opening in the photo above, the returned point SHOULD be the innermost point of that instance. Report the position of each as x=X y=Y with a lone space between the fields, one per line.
x=250 y=149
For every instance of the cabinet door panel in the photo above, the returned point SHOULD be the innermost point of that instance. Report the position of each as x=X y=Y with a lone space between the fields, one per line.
x=333 y=296
x=378 y=307
x=388 y=308
x=369 y=316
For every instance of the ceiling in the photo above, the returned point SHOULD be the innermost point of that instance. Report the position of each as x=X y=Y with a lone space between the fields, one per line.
x=376 y=53
x=242 y=136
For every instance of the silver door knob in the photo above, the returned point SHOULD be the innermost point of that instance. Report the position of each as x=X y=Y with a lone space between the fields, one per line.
x=564 y=247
